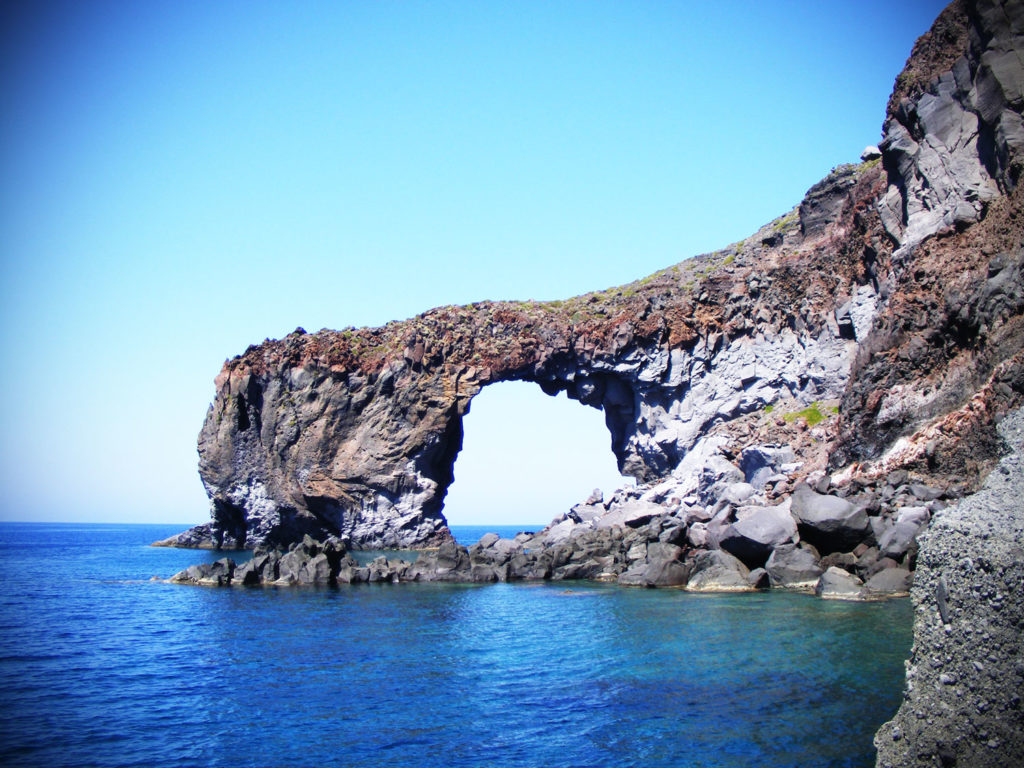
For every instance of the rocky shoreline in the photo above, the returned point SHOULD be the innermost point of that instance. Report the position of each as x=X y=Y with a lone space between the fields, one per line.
x=725 y=530
x=797 y=409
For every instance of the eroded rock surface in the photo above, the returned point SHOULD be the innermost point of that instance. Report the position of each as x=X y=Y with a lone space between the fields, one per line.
x=965 y=678
x=799 y=409
x=893 y=291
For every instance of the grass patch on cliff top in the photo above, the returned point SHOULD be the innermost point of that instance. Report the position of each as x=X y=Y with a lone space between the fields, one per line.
x=811 y=414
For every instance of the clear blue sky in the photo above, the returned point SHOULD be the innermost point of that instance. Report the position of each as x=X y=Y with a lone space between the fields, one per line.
x=179 y=180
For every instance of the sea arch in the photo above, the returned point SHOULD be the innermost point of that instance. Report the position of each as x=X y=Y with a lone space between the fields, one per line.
x=527 y=458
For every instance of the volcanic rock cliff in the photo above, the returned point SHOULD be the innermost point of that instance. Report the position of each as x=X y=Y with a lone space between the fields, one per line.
x=797 y=408
x=892 y=294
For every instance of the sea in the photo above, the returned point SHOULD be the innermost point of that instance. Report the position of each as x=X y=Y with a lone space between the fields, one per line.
x=102 y=663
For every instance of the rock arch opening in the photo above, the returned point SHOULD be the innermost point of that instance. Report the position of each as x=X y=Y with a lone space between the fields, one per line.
x=527 y=457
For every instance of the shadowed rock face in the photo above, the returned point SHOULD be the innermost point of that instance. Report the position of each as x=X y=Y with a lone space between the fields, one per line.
x=895 y=287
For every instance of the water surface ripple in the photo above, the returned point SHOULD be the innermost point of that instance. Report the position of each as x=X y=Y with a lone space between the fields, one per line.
x=101 y=667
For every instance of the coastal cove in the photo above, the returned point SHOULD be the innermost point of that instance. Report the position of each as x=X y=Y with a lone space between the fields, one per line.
x=102 y=666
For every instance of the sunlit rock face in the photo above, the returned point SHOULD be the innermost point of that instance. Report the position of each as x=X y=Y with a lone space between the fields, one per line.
x=893 y=292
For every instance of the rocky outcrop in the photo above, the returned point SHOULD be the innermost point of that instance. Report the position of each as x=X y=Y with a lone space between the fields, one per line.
x=798 y=408
x=944 y=355
x=735 y=541
x=965 y=677
x=892 y=293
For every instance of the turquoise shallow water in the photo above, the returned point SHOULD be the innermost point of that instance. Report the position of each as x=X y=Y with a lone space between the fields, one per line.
x=99 y=666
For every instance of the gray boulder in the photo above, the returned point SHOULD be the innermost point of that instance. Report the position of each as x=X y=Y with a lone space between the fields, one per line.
x=697 y=535
x=890 y=581
x=250 y=573
x=757 y=532
x=316 y=570
x=631 y=514
x=736 y=494
x=758 y=579
x=901 y=536
x=661 y=568
x=761 y=462
x=871 y=152
x=718 y=571
x=717 y=474
x=290 y=565
x=794 y=567
x=488 y=540
x=837 y=584
x=829 y=523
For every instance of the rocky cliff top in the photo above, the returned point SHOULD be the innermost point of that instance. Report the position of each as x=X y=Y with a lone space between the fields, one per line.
x=787 y=274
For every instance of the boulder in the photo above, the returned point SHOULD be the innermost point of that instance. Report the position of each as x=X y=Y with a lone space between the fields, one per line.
x=697 y=535
x=890 y=581
x=248 y=574
x=502 y=550
x=556 y=533
x=837 y=584
x=717 y=474
x=316 y=570
x=736 y=494
x=758 y=579
x=757 y=532
x=348 y=573
x=452 y=557
x=659 y=570
x=871 y=152
x=483 y=574
x=488 y=540
x=829 y=523
x=759 y=463
x=900 y=537
x=290 y=565
x=718 y=571
x=664 y=565
x=794 y=567
x=529 y=568
x=926 y=492
x=674 y=533
x=632 y=514
x=588 y=569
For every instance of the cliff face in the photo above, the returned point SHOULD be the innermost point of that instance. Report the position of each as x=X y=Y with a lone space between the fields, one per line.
x=894 y=290
x=944 y=355
x=965 y=676
x=355 y=432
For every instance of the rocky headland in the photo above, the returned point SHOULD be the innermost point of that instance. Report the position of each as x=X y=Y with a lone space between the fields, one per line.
x=811 y=407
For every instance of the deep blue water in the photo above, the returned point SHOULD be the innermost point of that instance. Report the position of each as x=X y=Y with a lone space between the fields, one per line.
x=100 y=666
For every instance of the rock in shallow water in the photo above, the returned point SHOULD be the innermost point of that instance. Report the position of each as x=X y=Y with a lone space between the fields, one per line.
x=837 y=584
x=718 y=571
x=793 y=567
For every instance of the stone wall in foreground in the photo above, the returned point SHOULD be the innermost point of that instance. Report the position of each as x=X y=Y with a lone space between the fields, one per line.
x=965 y=676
